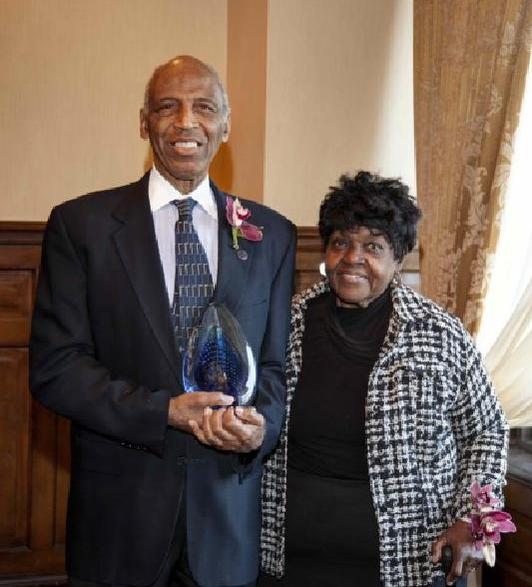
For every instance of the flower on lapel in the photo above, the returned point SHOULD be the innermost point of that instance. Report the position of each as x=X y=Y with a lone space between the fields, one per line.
x=237 y=217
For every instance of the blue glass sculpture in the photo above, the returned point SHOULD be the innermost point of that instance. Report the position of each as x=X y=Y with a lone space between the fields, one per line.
x=218 y=357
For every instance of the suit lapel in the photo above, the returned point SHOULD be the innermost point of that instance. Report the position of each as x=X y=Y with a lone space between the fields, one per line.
x=137 y=247
x=233 y=266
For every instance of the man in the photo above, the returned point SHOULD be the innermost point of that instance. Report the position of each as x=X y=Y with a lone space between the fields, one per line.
x=164 y=489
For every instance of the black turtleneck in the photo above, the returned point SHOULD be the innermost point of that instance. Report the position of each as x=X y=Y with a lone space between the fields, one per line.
x=327 y=424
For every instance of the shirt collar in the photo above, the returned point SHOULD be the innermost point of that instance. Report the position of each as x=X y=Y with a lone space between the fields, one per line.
x=161 y=193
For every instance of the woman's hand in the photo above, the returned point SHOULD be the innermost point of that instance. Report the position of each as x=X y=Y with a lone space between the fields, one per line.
x=465 y=556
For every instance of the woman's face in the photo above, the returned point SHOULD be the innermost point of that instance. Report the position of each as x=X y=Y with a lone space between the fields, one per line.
x=360 y=265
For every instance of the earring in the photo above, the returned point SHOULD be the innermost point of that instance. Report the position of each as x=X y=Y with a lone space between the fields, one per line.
x=397 y=280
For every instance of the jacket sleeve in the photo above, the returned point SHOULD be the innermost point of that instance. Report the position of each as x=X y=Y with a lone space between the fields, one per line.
x=480 y=429
x=65 y=375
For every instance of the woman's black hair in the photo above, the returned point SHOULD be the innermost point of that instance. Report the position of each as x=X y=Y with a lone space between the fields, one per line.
x=374 y=202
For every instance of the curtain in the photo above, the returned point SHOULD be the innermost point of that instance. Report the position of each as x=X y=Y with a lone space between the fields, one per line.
x=506 y=326
x=508 y=362
x=470 y=64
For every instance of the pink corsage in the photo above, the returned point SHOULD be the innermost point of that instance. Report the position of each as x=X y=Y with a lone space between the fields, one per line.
x=488 y=522
x=237 y=217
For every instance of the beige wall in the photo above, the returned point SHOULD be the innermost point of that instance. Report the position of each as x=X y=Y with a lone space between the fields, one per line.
x=339 y=97
x=73 y=75
x=323 y=87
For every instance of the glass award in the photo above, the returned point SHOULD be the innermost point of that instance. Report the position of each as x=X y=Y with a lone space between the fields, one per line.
x=218 y=357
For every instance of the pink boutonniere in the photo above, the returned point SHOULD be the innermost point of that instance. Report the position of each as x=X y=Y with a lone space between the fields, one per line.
x=237 y=217
x=488 y=522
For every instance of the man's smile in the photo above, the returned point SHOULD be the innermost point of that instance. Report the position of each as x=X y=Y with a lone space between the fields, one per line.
x=186 y=147
x=186 y=144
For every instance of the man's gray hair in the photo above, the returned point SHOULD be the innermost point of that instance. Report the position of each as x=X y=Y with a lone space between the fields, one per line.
x=226 y=109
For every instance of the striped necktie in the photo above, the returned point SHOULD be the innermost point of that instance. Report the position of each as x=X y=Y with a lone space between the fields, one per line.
x=193 y=282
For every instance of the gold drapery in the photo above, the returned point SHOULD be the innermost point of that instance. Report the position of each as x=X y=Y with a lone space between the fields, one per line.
x=470 y=63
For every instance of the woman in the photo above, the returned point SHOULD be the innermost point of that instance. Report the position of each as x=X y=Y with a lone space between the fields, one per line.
x=390 y=414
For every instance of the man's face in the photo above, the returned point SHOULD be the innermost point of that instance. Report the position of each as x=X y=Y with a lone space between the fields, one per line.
x=184 y=122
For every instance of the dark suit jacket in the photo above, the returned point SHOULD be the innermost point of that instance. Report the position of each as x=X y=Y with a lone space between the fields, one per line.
x=102 y=353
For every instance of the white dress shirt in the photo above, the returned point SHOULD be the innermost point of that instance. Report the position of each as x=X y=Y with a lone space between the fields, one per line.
x=204 y=217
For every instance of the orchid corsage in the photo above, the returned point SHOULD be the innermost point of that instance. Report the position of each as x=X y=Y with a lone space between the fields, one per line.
x=237 y=217
x=488 y=522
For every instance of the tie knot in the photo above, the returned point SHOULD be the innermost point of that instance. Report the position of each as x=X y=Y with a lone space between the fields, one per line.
x=185 y=208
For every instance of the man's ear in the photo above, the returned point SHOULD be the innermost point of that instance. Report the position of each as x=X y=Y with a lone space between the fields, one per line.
x=227 y=129
x=143 y=121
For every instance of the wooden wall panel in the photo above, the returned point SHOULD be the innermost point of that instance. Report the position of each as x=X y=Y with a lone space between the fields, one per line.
x=308 y=257
x=15 y=306
x=14 y=447
x=34 y=443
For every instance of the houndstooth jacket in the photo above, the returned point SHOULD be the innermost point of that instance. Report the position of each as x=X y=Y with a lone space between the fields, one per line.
x=433 y=424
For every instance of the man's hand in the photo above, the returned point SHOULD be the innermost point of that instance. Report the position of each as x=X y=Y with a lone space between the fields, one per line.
x=465 y=556
x=189 y=407
x=232 y=429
